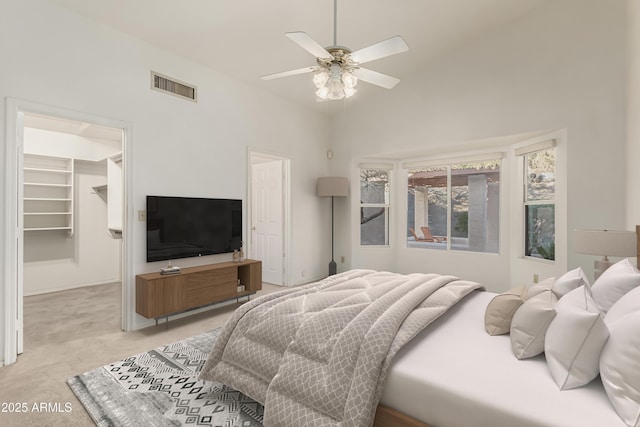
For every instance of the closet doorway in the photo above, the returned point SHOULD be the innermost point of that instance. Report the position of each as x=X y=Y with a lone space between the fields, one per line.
x=70 y=198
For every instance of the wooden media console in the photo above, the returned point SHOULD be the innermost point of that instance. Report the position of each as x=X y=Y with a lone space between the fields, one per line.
x=159 y=295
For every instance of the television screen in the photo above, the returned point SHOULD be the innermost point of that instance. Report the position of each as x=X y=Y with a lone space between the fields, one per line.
x=182 y=227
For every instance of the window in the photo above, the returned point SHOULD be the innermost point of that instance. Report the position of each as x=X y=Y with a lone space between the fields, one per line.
x=428 y=206
x=374 y=206
x=454 y=206
x=539 y=203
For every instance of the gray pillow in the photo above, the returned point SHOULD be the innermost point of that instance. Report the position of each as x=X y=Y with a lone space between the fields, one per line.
x=530 y=323
x=500 y=310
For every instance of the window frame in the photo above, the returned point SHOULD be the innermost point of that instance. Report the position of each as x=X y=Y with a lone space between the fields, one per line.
x=388 y=168
x=447 y=164
x=524 y=152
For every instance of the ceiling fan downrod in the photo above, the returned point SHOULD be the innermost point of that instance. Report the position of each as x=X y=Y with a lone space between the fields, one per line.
x=335 y=22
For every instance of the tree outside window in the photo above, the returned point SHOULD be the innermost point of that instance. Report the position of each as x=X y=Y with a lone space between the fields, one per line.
x=539 y=203
x=374 y=207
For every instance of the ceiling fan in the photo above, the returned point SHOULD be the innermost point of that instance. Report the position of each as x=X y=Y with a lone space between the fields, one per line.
x=338 y=68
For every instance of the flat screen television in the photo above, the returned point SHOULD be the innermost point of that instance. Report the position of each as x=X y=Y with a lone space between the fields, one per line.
x=183 y=227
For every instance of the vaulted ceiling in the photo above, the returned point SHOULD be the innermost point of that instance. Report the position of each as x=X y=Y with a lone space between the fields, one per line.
x=245 y=39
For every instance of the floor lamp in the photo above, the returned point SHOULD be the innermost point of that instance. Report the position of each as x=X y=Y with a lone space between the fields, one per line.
x=332 y=186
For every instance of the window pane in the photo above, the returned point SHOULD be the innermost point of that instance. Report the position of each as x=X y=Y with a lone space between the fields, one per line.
x=475 y=206
x=374 y=186
x=374 y=220
x=541 y=231
x=374 y=226
x=427 y=207
x=540 y=173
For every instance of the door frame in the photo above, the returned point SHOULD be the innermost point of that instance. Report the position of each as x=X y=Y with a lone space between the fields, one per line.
x=286 y=206
x=12 y=227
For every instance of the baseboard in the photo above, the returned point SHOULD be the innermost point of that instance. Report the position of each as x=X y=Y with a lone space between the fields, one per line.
x=68 y=288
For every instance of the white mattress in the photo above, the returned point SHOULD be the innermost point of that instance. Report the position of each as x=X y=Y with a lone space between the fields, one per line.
x=454 y=374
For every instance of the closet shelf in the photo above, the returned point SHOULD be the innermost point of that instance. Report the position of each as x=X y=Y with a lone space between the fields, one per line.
x=101 y=191
x=44 y=184
x=46 y=213
x=48 y=228
x=62 y=171
x=48 y=193
x=46 y=199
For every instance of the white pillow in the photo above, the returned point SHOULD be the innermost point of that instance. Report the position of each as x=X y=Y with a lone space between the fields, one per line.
x=616 y=281
x=500 y=310
x=569 y=281
x=620 y=368
x=629 y=303
x=575 y=339
x=529 y=324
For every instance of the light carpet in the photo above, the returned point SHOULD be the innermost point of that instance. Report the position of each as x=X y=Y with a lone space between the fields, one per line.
x=160 y=388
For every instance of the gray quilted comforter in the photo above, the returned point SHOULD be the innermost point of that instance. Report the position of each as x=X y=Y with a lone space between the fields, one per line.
x=317 y=355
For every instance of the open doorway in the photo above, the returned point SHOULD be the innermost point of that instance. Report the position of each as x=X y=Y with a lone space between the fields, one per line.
x=69 y=194
x=269 y=208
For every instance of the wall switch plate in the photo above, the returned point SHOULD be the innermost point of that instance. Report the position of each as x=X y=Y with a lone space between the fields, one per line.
x=342 y=259
x=536 y=278
x=142 y=215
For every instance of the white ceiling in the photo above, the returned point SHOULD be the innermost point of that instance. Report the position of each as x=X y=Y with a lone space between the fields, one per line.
x=245 y=39
x=92 y=131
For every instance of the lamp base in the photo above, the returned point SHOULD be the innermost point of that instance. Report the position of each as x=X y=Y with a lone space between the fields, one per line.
x=333 y=268
x=600 y=266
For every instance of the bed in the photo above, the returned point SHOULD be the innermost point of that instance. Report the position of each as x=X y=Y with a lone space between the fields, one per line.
x=446 y=372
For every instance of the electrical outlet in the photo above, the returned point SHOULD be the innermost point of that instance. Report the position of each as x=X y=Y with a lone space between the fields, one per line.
x=142 y=216
x=342 y=259
x=536 y=278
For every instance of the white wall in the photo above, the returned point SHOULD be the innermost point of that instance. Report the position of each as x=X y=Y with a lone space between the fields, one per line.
x=560 y=68
x=633 y=113
x=54 y=57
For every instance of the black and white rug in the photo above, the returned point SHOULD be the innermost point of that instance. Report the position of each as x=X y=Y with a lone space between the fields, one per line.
x=160 y=388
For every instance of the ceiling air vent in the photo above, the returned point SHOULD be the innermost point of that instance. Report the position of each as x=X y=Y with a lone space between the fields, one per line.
x=174 y=87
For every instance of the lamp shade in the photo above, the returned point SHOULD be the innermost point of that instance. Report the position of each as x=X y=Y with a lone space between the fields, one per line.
x=605 y=242
x=332 y=186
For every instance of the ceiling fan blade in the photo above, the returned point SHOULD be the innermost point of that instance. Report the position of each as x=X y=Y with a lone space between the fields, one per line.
x=289 y=73
x=379 y=50
x=308 y=44
x=375 y=78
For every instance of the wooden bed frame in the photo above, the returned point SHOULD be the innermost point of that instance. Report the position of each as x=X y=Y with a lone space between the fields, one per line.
x=389 y=417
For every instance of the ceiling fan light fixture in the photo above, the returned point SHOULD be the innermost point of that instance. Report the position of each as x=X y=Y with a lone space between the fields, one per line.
x=349 y=92
x=334 y=83
x=336 y=89
x=322 y=93
x=350 y=81
x=320 y=79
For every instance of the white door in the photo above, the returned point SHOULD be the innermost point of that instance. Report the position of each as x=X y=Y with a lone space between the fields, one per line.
x=267 y=219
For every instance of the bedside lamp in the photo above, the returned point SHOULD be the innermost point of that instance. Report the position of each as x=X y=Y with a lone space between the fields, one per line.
x=606 y=243
x=332 y=186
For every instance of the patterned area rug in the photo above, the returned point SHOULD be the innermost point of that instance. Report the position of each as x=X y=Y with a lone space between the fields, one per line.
x=160 y=388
